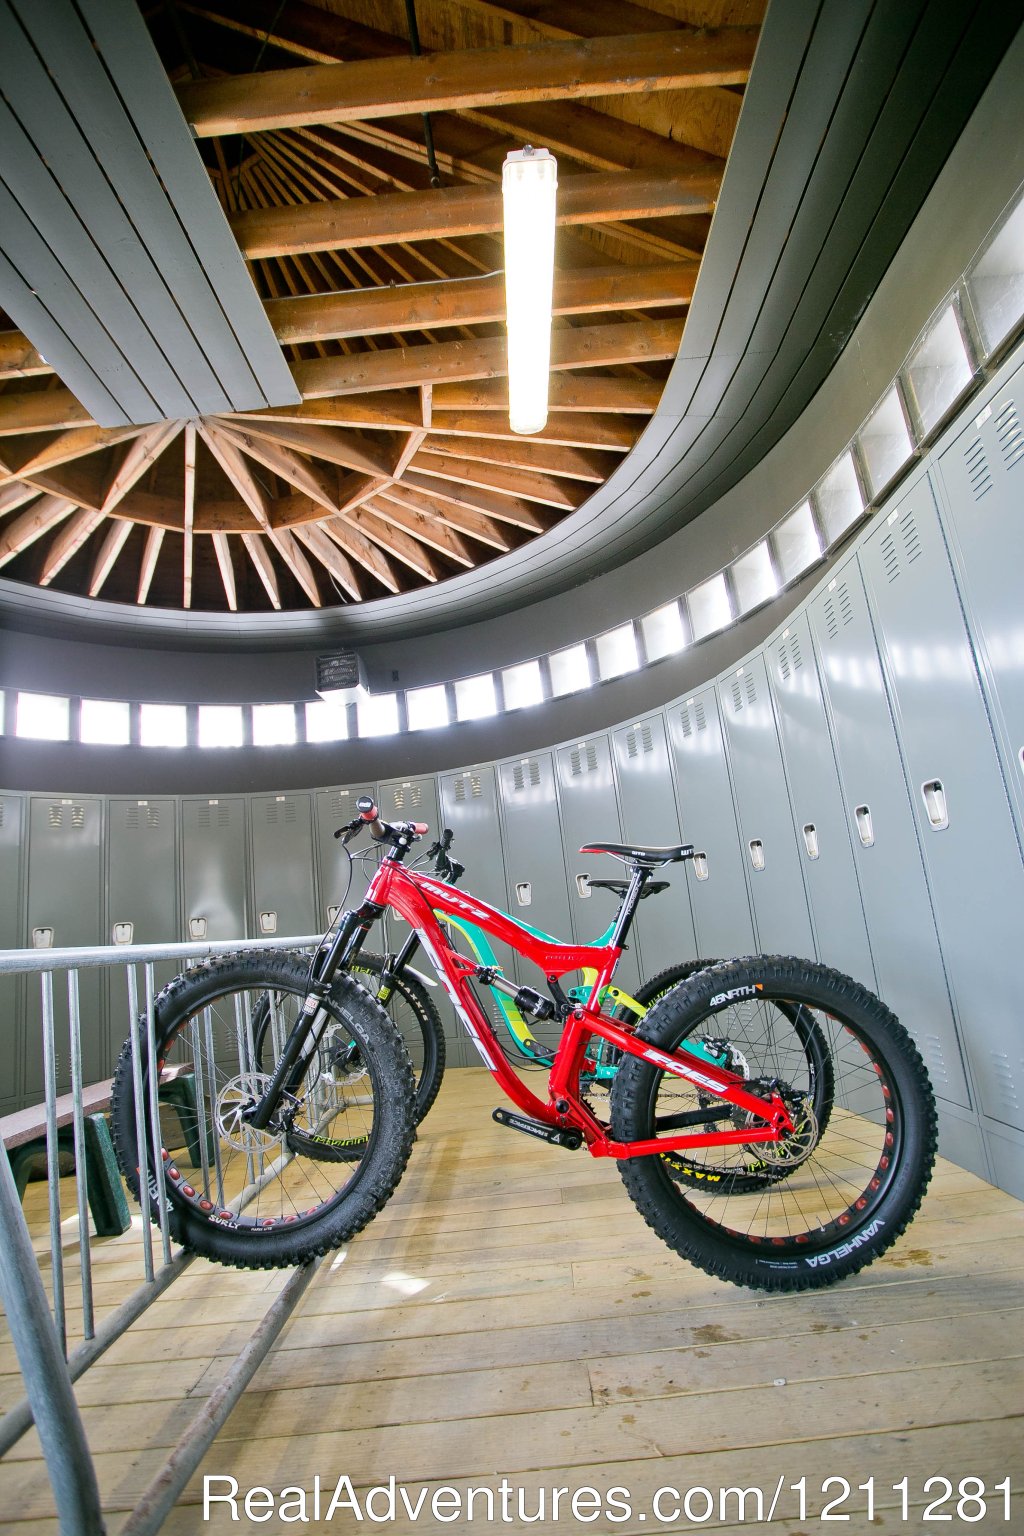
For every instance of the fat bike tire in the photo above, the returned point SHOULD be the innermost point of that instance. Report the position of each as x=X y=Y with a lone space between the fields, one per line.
x=259 y=1200
x=852 y=1185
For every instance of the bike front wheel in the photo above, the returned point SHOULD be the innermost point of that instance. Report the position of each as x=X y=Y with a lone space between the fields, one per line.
x=339 y=1140
x=853 y=1178
x=410 y=1010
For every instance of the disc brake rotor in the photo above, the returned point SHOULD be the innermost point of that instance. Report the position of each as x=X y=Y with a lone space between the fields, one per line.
x=235 y=1097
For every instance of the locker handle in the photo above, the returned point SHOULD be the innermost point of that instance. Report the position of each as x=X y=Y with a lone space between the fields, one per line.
x=123 y=933
x=332 y=915
x=865 y=830
x=197 y=927
x=811 y=840
x=583 y=886
x=42 y=938
x=268 y=922
x=935 y=805
x=524 y=892
x=756 y=852
x=700 y=865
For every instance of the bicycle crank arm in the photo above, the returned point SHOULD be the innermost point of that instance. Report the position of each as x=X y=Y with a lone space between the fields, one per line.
x=571 y=1139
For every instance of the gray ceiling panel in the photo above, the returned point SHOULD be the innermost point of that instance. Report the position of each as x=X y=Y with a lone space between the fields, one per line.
x=145 y=245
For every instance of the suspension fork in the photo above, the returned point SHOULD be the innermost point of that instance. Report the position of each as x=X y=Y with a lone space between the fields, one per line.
x=309 y=1027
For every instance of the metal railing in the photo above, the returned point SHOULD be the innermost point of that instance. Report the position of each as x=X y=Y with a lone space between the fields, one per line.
x=39 y=1326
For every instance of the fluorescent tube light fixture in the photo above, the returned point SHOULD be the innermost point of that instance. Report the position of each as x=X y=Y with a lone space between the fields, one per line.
x=529 y=178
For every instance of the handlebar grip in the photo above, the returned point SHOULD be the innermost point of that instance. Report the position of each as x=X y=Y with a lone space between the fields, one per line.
x=369 y=813
x=420 y=828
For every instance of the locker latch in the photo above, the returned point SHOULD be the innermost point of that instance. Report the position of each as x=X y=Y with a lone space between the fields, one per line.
x=700 y=865
x=811 y=840
x=197 y=927
x=524 y=892
x=268 y=922
x=935 y=804
x=123 y=933
x=583 y=886
x=865 y=831
x=42 y=938
x=756 y=852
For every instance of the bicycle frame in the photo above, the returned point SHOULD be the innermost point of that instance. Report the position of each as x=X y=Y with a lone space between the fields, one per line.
x=418 y=898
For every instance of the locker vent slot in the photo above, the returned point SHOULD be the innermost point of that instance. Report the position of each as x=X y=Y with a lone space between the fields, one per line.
x=134 y=819
x=77 y=816
x=699 y=716
x=413 y=793
x=278 y=813
x=467 y=787
x=831 y=622
x=3 y=807
x=911 y=538
x=790 y=657
x=525 y=773
x=977 y=468
x=583 y=760
x=684 y=721
x=1006 y=1089
x=56 y=815
x=639 y=740
x=205 y=817
x=1011 y=439
x=890 y=559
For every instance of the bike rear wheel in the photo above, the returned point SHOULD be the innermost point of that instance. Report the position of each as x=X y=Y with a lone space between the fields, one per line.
x=851 y=1185
x=784 y=1036
x=339 y=1141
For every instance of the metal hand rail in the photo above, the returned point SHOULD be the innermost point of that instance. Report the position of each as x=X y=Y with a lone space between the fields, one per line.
x=39 y=1335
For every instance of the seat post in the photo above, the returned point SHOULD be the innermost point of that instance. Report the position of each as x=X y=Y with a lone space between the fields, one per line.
x=638 y=878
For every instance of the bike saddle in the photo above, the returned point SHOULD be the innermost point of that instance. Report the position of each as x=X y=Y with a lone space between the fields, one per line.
x=644 y=858
x=621 y=886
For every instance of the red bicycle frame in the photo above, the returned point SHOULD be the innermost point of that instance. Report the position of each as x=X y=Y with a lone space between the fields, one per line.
x=417 y=897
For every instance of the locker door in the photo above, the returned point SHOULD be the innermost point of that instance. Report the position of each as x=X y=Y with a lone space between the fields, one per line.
x=590 y=814
x=65 y=896
x=416 y=800
x=469 y=806
x=981 y=477
x=342 y=884
x=957 y=789
x=897 y=904
x=535 y=868
x=822 y=833
x=718 y=888
x=282 y=865
x=766 y=821
x=214 y=879
x=142 y=889
x=11 y=987
x=664 y=923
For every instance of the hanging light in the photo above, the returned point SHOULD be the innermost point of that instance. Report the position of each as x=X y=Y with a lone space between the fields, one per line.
x=529 y=178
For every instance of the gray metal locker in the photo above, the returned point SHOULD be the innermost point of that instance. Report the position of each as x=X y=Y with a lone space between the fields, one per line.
x=718 y=888
x=341 y=884
x=767 y=839
x=64 y=904
x=214 y=878
x=897 y=905
x=11 y=987
x=957 y=789
x=282 y=865
x=822 y=831
x=416 y=800
x=590 y=814
x=664 y=924
x=469 y=806
x=536 y=891
x=142 y=895
x=981 y=480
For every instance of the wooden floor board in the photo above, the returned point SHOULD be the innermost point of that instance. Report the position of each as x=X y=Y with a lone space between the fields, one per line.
x=509 y=1313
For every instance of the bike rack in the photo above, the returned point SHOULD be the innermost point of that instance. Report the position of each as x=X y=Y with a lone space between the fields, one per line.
x=39 y=1333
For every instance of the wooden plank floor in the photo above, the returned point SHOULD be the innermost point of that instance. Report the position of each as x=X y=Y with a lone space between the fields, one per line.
x=510 y=1315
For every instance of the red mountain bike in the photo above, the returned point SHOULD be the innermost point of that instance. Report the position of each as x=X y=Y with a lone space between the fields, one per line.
x=772 y=1120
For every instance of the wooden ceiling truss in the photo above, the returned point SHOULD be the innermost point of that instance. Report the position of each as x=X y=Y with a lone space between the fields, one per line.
x=398 y=468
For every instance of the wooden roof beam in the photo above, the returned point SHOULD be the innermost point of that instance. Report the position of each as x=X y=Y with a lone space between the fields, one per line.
x=41 y=410
x=398 y=411
x=142 y=454
x=394 y=541
x=502 y=505
x=474 y=301
x=565 y=495
x=189 y=512
x=344 y=533
x=424 y=527
x=616 y=434
x=76 y=443
x=116 y=538
x=22 y=531
x=326 y=443
x=150 y=555
x=222 y=549
x=602 y=197
x=303 y=474
x=232 y=462
x=19 y=358
x=566 y=392
x=291 y=552
x=260 y=556
x=474 y=77
x=68 y=542
x=333 y=559
x=520 y=452
x=599 y=346
x=455 y=514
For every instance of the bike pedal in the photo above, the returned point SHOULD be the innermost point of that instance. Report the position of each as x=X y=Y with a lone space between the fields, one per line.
x=570 y=1139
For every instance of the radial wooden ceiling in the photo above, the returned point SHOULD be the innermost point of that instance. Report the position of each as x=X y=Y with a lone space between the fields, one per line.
x=398 y=468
